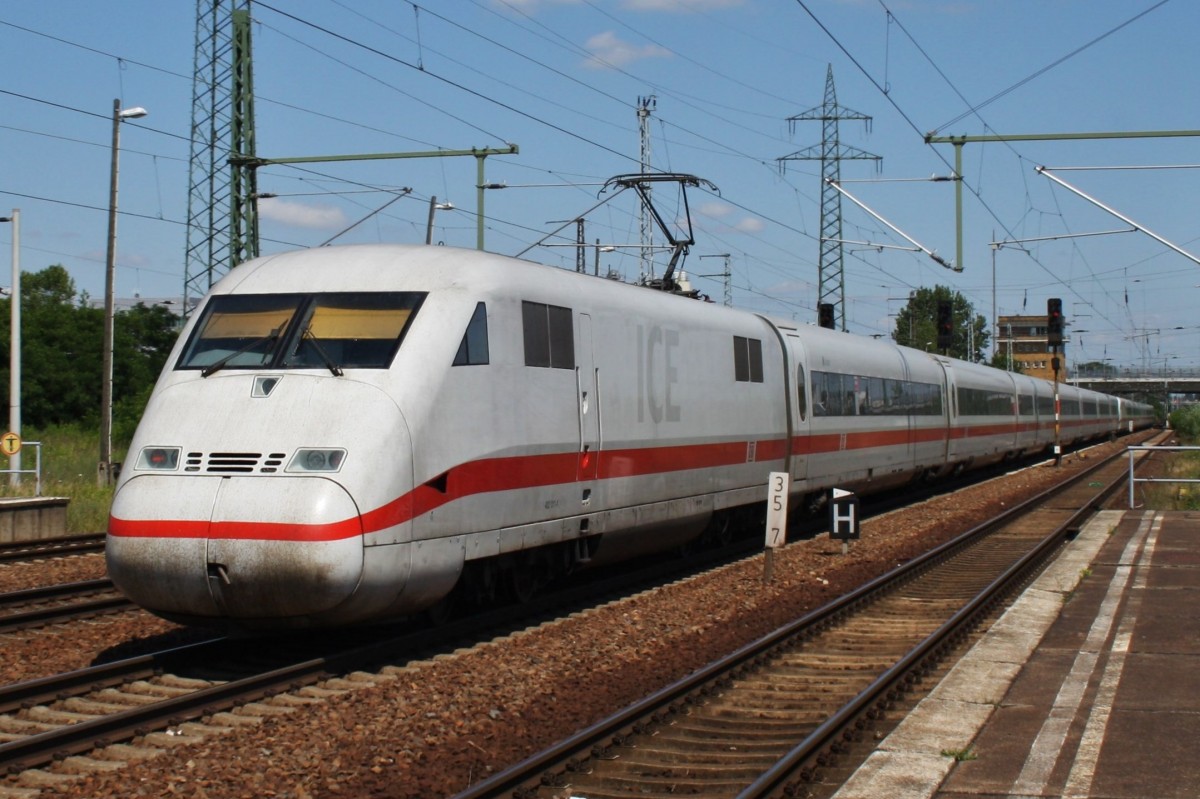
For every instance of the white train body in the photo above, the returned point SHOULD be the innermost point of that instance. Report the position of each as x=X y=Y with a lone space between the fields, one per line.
x=340 y=432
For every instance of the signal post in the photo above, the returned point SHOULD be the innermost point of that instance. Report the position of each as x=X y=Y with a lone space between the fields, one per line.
x=1054 y=337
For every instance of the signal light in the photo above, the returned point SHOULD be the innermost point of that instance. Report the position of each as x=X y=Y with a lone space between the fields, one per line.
x=945 y=324
x=825 y=315
x=1054 y=321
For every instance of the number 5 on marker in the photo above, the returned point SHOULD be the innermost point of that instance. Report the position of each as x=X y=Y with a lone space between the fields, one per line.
x=777 y=497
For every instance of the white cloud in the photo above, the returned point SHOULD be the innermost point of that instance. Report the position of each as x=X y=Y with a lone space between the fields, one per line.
x=610 y=51
x=715 y=210
x=722 y=211
x=316 y=217
x=750 y=224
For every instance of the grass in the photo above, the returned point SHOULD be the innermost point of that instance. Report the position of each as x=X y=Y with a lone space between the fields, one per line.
x=70 y=455
x=1176 y=496
x=960 y=755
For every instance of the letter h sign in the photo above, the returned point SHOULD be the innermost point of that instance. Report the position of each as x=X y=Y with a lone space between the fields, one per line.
x=843 y=516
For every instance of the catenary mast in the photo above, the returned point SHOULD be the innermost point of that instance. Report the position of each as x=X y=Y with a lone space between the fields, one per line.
x=831 y=287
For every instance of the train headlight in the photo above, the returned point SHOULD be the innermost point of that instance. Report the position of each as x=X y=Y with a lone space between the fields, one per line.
x=317 y=460
x=162 y=459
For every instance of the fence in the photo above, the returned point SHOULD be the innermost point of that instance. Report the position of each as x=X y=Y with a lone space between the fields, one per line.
x=37 y=468
x=1133 y=479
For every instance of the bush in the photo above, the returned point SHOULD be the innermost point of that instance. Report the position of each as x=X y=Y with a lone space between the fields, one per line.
x=1186 y=422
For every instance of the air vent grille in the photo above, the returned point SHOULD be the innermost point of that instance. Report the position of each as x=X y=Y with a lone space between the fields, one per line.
x=234 y=462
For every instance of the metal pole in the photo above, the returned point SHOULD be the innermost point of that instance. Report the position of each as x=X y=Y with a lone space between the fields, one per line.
x=1057 y=412
x=14 y=362
x=104 y=471
x=479 y=200
x=995 y=320
x=1130 y=450
x=429 y=227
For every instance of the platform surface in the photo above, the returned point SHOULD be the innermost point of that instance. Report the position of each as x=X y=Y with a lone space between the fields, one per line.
x=1088 y=686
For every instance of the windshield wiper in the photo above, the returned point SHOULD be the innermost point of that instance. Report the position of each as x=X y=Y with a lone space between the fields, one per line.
x=329 y=362
x=273 y=335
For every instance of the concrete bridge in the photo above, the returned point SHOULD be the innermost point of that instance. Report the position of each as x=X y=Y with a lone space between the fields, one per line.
x=1160 y=384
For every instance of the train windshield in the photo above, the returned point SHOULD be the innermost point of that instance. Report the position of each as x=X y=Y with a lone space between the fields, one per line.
x=334 y=331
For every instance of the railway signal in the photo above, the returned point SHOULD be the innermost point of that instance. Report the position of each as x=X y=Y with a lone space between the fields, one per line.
x=1054 y=322
x=825 y=315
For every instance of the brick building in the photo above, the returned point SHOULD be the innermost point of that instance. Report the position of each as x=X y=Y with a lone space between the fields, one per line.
x=1029 y=343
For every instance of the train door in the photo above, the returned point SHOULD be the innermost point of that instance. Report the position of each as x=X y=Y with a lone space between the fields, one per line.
x=801 y=409
x=587 y=390
x=953 y=444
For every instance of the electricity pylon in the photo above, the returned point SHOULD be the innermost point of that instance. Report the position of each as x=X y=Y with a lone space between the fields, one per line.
x=831 y=285
x=221 y=222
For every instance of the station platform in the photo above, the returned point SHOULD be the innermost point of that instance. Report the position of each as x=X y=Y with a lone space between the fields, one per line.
x=24 y=519
x=1087 y=686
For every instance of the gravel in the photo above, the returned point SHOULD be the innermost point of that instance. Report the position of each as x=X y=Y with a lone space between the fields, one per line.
x=433 y=728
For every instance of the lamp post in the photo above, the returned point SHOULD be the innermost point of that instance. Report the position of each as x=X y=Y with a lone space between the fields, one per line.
x=104 y=472
x=14 y=362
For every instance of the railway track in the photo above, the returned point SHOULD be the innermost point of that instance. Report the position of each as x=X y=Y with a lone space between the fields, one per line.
x=764 y=720
x=75 y=718
x=65 y=716
x=15 y=552
x=56 y=604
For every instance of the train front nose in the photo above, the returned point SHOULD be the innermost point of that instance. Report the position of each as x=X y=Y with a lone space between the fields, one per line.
x=300 y=557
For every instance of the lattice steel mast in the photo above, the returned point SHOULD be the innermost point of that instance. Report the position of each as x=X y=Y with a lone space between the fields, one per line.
x=831 y=285
x=221 y=226
x=646 y=106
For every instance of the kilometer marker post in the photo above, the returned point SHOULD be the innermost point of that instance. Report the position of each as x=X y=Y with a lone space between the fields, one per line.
x=777 y=498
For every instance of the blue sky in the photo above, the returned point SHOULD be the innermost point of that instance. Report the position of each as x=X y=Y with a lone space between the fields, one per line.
x=562 y=80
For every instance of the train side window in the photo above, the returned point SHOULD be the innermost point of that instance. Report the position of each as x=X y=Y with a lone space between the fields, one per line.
x=549 y=335
x=756 y=369
x=741 y=360
x=876 y=396
x=473 y=351
x=801 y=393
x=747 y=360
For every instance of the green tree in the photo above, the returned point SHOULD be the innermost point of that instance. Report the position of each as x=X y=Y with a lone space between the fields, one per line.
x=142 y=339
x=1095 y=369
x=916 y=324
x=1000 y=360
x=62 y=353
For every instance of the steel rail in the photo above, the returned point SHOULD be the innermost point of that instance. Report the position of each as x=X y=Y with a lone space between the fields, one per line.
x=15 y=551
x=529 y=774
x=821 y=739
x=40 y=616
x=52 y=592
x=40 y=749
x=81 y=681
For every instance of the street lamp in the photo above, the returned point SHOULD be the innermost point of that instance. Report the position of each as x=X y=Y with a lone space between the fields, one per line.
x=14 y=362
x=105 y=471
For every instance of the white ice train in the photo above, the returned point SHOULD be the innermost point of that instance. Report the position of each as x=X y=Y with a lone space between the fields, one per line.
x=344 y=434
